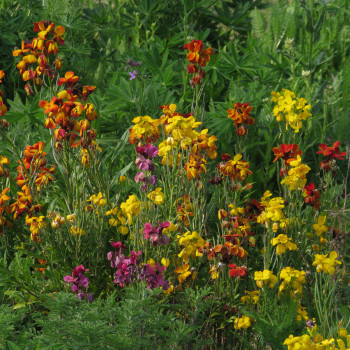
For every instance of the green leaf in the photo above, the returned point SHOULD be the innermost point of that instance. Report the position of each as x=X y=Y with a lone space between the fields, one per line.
x=12 y=346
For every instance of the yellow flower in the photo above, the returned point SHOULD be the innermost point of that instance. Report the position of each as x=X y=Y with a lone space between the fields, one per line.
x=156 y=196
x=302 y=313
x=320 y=227
x=292 y=279
x=300 y=343
x=97 y=200
x=325 y=263
x=165 y=262
x=131 y=207
x=77 y=231
x=264 y=277
x=151 y=262
x=243 y=322
x=183 y=271
x=170 y=289
x=214 y=272
x=293 y=109
x=283 y=242
x=191 y=242
x=251 y=297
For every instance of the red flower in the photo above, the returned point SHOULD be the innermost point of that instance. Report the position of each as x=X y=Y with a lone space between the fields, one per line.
x=237 y=271
x=312 y=196
x=331 y=152
x=286 y=152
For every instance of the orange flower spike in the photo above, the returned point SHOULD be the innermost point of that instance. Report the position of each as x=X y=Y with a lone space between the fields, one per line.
x=50 y=106
x=87 y=90
x=286 y=152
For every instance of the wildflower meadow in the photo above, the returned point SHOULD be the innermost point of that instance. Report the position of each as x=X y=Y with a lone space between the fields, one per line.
x=175 y=174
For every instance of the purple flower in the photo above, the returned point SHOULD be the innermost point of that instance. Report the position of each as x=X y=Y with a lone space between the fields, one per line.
x=153 y=180
x=144 y=164
x=132 y=75
x=154 y=276
x=81 y=296
x=90 y=297
x=151 y=151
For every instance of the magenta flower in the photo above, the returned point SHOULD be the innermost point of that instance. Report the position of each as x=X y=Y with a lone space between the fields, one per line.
x=155 y=234
x=78 y=280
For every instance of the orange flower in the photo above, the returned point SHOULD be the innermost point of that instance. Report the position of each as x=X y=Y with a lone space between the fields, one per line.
x=240 y=114
x=69 y=79
x=51 y=106
x=2 y=74
x=22 y=51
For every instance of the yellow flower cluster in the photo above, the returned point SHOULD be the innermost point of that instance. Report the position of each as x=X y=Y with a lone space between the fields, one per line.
x=191 y=242
x=272 y=212
x=251 y=297
x=131 y=207
x=293 y=109
x=243 y=322
x=97 y=200
x=265 y=277
x=283 y=242
x=179 y=131
x=118 y=219
x=296 y=178
x=292 y=280
x=145 y=129
x=325 y=263
x=303 y=342
x=315 y=341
